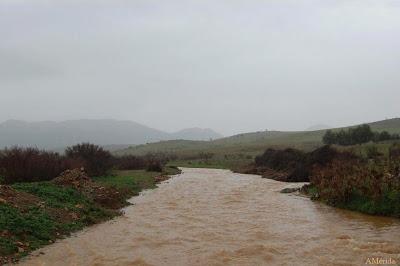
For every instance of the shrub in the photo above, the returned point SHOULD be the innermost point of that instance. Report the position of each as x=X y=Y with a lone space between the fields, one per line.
x=205 y=155
x=160 y=157
x=130 y=162
x=154 y=167
x=96 y=160
x=280 y=160
x=297 y=164
x=371 y=186
x=372 y=152
x=29 y=165
x=394 y=152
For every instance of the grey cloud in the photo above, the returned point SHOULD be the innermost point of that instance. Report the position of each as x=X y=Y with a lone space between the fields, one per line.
x=230 y=65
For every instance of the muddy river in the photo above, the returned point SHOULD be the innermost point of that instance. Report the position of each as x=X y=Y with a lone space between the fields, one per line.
x=216 y=217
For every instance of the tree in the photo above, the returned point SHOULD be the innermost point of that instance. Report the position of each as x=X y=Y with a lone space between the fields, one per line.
x=361 y=134
x=352 y=136
x=329 y=138
x=343 y=138
x=382 y=136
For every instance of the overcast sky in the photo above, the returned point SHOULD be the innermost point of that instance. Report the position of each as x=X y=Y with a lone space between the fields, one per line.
x=234 y=66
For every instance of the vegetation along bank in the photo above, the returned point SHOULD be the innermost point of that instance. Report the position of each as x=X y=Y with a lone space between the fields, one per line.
x=45 y=196
x=363 y=178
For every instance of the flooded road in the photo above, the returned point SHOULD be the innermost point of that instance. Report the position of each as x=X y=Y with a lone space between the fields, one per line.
x=216 y=217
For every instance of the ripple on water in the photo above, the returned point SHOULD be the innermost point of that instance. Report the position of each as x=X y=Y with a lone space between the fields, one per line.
x=215 y=217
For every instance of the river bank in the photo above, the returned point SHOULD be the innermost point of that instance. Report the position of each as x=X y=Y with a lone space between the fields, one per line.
x=38 y=213
x=216 y=217
x=366 y=180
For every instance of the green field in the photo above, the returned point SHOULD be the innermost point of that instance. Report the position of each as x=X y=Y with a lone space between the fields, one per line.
x=245 y=145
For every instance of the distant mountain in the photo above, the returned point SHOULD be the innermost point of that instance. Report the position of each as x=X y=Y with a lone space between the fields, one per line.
x=318 y=127
x=106 y=132
x=196 y=134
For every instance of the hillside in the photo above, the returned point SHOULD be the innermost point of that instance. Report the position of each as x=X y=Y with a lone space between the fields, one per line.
x=196 y=134
x=251 y=143
x=106 y=132
x=317 y=127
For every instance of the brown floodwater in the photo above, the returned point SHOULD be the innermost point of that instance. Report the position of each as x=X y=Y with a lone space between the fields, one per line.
x=216 y=217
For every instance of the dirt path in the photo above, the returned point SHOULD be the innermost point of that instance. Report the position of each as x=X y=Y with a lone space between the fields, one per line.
x=215 y=217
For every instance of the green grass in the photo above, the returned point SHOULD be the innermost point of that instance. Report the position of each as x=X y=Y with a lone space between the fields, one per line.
x=34 y=226
x=132 y=180
x=67 y=199
x=39 y=225
x=361 y=150
x=54 y=196
x=389 y=205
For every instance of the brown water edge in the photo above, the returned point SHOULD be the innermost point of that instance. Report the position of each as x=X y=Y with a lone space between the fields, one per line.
x=216 y=217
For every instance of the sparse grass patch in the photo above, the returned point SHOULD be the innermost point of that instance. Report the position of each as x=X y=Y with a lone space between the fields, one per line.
x=171 y=170
x=216 y=163
x=132 y=181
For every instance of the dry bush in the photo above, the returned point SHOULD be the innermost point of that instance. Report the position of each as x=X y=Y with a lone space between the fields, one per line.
x=29 y=165
x=129 y=162
x=347 y=177
x=280 y=159
x=97 y=160
x=296 y=164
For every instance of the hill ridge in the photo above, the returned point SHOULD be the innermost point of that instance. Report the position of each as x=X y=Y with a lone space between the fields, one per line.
x=106 y=132
x=255 y=141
